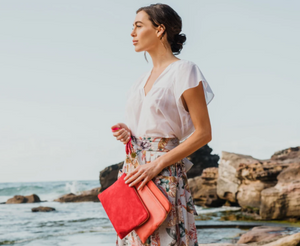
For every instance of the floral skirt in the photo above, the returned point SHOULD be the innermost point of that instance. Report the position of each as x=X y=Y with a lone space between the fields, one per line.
x=179 y=227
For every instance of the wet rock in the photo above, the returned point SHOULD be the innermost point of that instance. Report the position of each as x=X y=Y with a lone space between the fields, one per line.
x=84 y=196
x=23 y=199
x=42 y=209
x=204 y=189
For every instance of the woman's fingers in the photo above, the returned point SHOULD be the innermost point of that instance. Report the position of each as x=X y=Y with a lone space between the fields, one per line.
x=135 y=178
x=129 y=174
x=123 y=136
x=118 y=133
x=145 y=181
x=127 y=140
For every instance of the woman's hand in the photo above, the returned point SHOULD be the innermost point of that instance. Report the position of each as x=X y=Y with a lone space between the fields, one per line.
x=144 y=173
x=123 y=133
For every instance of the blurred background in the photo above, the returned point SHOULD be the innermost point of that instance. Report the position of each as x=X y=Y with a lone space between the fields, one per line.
x=65 y=68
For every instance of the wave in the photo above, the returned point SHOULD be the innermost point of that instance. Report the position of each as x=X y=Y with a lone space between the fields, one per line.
x=49 y=190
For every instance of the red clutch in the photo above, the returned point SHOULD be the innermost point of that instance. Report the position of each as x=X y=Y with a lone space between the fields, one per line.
x=158 y=206
x=153 y=200
x=123 y=206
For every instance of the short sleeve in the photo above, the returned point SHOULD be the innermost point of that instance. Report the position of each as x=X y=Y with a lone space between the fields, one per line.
x=189 y=76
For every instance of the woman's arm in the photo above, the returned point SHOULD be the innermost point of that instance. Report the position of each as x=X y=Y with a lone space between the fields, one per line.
x=195 y=101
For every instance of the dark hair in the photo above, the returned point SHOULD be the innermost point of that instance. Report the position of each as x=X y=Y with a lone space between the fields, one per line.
x=164 y=14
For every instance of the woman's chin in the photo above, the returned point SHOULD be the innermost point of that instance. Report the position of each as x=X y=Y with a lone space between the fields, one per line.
x=137 y=49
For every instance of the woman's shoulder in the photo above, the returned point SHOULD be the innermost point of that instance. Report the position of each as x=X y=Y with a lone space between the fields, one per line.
x=185 y=69
x=186 y=64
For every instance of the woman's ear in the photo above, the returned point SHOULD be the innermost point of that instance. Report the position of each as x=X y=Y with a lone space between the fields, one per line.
x=160 y=30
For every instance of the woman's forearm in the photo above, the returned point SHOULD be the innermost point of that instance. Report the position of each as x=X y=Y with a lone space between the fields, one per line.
x=189 y=146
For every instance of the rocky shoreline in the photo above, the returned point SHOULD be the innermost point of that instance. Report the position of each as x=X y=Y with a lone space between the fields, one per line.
x=263 y=189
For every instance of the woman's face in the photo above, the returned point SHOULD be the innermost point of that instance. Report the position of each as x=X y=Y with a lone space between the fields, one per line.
x=144 y=33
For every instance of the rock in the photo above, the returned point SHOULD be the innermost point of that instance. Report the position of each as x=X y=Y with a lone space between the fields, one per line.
x=23 y=199
x=228 y=182
x=292 y=240
x=261 y=234
x=84 y=196
x=202 y=159
x=221 y=244
x=42 y=209
x=109 y=175
x=290 y=154
x=243 y=178
x=204 y=189
x=249 y=193
x=283 y=200
x=254 y=178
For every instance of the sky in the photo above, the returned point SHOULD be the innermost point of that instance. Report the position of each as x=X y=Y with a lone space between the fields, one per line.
x=65 y=68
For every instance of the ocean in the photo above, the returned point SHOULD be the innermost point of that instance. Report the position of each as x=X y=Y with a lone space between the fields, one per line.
x=84 y=223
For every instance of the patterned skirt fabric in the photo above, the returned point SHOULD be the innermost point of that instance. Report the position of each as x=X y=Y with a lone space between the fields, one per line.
x=179 y=227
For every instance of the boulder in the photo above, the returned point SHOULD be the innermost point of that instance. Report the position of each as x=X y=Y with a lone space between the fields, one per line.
x=221 y=244
x=262 y=234
x=84 y=196
x=283 y=200
x=23 y=199
x=202 y=159
x=290 y=154
x=204 y=189
x=291 y=240
x=242 y=178
x=109 y=175
x=228 y=182
x=42 y=209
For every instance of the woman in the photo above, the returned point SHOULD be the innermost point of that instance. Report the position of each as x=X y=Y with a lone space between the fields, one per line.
x=165 y=106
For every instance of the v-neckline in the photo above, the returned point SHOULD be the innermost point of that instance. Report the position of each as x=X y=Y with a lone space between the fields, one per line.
x=148 y=76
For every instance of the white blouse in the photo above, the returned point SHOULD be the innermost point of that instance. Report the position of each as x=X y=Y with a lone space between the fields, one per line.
x=161 y=112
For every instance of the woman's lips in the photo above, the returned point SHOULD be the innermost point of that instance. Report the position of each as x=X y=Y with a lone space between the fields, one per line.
x=134 y=42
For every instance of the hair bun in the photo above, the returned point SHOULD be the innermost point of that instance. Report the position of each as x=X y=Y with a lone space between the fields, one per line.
x=178 y=42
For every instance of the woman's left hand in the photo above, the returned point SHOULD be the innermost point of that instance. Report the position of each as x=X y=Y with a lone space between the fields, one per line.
x=144 y=173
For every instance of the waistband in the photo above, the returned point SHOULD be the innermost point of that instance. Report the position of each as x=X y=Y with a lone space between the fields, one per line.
x=137 y=144
x=160 y=144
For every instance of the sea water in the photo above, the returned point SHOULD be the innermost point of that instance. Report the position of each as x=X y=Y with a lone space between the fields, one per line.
x=83 y=223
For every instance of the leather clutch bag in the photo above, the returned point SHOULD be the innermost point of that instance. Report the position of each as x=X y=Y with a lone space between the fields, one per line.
x=123 y=206
x=158 y=206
